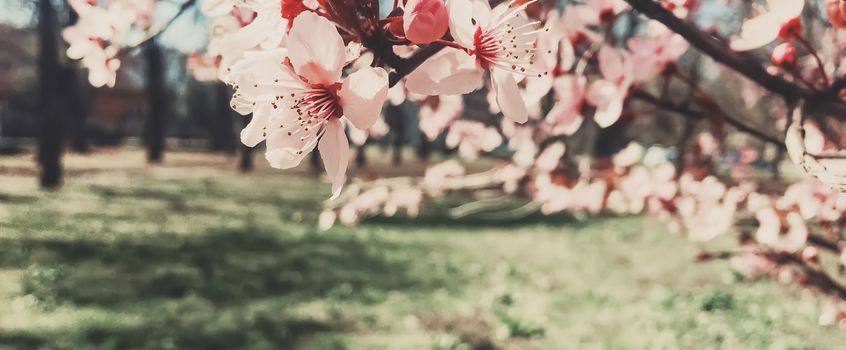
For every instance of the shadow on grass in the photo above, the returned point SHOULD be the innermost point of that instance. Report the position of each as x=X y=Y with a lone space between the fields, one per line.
x=455 y=212
x=441 y=220
x=222 y=289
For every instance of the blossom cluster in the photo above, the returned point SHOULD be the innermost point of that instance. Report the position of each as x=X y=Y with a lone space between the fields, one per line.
x=316 y=74
x=100 y=32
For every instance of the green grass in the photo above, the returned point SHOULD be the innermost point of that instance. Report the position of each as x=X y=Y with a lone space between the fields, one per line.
x=196 y=256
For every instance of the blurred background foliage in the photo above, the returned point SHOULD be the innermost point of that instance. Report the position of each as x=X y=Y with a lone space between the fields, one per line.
x=191 y=255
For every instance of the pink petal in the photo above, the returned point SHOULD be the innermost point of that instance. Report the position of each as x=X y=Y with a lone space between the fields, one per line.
x=450 y=72
x=461 y=22
x=608 y=99
x=334 y=149
x=567 y=54
x=508 y=96
x=769 y=226
x=610 y=62
x=252 y=34
x=284 y=150
x=316 y=50
x=255 y=131
x=756 y=32
x=814 y=138
x=215 y=8
x=537 y=88
x=362 y=95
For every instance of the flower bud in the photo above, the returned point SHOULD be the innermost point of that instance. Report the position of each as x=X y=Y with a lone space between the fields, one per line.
x=834 y=10
x=791 y=29
x=811 y=255
x=425 y=21
x=784 y=55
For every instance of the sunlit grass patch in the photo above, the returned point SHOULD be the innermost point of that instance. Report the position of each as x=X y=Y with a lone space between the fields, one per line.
x=199 y=256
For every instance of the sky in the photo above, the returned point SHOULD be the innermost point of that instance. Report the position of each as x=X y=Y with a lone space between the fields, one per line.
x=188 y=33
x=17 y=13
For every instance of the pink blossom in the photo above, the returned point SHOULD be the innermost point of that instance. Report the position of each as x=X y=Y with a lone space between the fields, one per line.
x=551 y=156
x=472 y=138
x=784 y=55
x=450 y=72
x=496 y=40
x=438 y=113
x=96 y=37
x=751 y=264
x=425 y=21
x=375 y=132
x=241 y=26
x=609 y=93
x=405 y=198
x=566 y=115
x=805 y=197
x=326 y=219
x=770 y=230
x=652 y=54
x=601 y=11
x=617 y=202
x=628 y=156
x=831 y=313
x=510 y=176
x=545 y=60
x=298 y=103
x=435 y=176
x=766 y=27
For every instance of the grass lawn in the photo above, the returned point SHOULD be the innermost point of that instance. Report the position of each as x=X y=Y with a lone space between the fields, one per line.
x=193 y=255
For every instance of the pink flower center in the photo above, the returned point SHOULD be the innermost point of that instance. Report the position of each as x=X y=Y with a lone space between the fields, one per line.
x=316 y=105
x=506 y=47
x=487 y=48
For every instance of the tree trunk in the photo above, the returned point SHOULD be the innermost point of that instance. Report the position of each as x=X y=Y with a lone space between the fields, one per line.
x=223 y=135
x=157 y=99
x=77 y=109
x=245 y=164
x=75 y=98
x=361 y=156
x=50 y=136
x=396 y=121
x=612 y=139
x=424 y=151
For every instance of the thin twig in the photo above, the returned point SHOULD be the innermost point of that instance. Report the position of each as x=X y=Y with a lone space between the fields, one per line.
x=737 y=124
x=409 y=64
x=153 y=34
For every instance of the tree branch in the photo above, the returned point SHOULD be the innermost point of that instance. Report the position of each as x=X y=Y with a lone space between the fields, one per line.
x=815 y=276
x=737 y=124
x=409 y=64
x=824 y=243
x=161 y=28
x=718 y=50
x=822 y=101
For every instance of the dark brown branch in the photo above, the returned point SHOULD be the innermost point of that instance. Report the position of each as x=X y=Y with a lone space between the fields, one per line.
x=822 y=101
x=687 y=112
x=838 y=85
x=815 y=276
x=718 y=50
x=824 y=243
x=409 y=64
x=161 y=29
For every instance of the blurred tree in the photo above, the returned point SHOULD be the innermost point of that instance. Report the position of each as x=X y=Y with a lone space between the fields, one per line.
x=75 y=99
x=246 y=157
x=51 y=125
x=395 y=118
x=223 y=135
x=155 y=126
x=75 y=102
